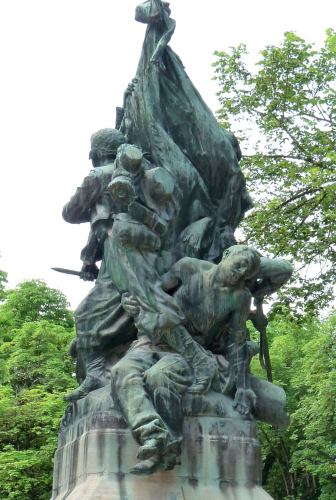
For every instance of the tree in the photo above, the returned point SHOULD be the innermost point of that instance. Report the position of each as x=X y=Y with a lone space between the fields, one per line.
x=284 y=113
x=33 y=301
x=301 y=461
x=3 y=281
x=36 y=328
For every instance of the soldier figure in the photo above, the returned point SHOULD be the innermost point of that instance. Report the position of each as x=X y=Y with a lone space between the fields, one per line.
x=100 y=318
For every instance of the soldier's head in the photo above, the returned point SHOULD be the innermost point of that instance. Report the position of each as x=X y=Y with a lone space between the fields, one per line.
x=104 y=146
x=239 y=264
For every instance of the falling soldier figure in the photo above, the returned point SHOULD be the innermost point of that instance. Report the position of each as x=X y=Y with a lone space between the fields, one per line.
x=216 y=304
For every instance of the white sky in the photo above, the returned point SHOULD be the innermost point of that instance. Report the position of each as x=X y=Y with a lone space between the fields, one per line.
x=64 y=67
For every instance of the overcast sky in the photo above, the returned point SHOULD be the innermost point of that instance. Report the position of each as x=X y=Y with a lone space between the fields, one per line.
x=64 y=67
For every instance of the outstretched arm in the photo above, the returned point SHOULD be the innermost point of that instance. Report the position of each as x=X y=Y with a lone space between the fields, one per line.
x=273 y=274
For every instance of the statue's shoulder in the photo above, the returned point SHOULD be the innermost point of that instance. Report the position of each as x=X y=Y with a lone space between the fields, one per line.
x=193 y=264
x=238 y=296
x=241 y=296
x=102 y=171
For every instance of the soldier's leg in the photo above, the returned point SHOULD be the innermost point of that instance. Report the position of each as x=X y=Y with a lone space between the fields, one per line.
x=101 y=322
x=202 y=362
x=167 y=381
x=129 y=392
x=159 y=325
x=92 y=358
x=88 y=352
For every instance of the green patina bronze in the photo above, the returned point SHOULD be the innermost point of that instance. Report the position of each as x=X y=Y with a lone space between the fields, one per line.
x=167 y=314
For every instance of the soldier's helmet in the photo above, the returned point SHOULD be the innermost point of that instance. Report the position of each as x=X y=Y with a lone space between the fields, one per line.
x=105 y=144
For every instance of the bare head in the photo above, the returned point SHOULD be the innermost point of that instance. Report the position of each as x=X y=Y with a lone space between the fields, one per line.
x=104 y=145
x=239 y=263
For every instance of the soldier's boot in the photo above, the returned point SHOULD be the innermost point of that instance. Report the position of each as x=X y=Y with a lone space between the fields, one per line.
x=146 y=467
x=95 y=375
x=153 y=456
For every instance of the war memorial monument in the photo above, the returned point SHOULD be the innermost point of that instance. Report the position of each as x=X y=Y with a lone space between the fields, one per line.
x=166 y=406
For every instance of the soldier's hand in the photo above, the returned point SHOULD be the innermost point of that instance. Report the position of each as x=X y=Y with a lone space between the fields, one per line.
x=89 y=272
x=130 y=87
x=130 y=304
x=259 y=320
x=244 y=401
x=73 y=348
x=166 y=6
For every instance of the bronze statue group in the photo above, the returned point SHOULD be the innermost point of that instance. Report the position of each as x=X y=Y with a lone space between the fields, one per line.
x=173 y=291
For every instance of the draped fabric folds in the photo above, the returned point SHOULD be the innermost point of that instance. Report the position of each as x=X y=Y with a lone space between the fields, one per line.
x=167 y=118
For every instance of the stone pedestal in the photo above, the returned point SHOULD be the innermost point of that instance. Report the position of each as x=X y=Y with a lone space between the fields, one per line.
x=220 y=456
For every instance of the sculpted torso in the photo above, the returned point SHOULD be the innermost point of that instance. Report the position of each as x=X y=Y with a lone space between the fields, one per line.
x=210 y=309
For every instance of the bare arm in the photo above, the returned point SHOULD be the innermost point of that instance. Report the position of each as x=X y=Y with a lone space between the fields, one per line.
x=182 y=270
x=171 y=279
x=274 y=273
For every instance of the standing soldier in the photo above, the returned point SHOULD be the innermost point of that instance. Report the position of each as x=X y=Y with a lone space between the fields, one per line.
x=100 y=318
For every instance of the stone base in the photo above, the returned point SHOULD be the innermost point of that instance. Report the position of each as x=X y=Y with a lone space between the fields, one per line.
x=160 y=486
x=220 y=457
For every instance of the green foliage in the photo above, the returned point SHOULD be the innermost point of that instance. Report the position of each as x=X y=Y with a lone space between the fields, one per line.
x=25 y=474
x=35 y=372
x=285 y=110
x=284 y=114
x=33 y=301
x=301 y=461
x=3 y=281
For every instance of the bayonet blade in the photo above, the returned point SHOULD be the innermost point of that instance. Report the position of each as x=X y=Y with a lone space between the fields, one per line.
x=66 y=271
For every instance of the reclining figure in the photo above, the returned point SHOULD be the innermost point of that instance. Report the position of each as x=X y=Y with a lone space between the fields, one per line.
x=148 y=383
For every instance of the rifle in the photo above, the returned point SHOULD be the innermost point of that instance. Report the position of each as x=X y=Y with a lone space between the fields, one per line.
x=260 y=323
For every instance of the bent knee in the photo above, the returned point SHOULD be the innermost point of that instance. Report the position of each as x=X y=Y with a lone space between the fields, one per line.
x=168 y=368
x=130 y=369
x=123 y=371
x=153 y=377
